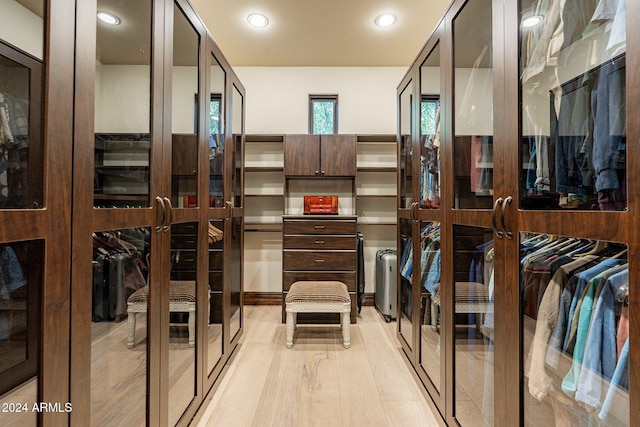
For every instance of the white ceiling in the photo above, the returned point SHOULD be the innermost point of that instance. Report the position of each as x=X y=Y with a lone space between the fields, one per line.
x=301 y=32
x=320 y=32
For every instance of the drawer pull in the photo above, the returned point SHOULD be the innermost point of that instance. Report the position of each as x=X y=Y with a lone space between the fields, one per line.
x=319 y=261
x=319 y=227
x=319 y=242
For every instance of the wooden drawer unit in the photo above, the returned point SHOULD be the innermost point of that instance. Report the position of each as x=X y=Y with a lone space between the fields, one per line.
x=331 y=242
x=320 y=248
x=316 y=226
x=319 y=260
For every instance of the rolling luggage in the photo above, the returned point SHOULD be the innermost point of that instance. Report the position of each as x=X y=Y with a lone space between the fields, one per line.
x=386 y=283
x=100 y=303
x=117 y=301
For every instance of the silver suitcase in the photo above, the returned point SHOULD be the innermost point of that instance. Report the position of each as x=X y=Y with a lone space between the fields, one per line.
x=386 y=283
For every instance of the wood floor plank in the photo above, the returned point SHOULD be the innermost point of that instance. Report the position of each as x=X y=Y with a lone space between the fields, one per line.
x=409 y=414
x=391 y=376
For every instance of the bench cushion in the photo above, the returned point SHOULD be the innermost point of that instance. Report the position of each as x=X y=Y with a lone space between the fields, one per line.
x=329 y=291
x=179 y=290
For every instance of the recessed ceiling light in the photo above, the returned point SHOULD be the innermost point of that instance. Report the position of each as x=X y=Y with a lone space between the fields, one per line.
x=258 y=20
x=108 y=18
x=385 y=20
x=531 y=21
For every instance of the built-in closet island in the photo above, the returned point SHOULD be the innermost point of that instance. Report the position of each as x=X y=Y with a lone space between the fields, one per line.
x=518 y=214
x=121 y=196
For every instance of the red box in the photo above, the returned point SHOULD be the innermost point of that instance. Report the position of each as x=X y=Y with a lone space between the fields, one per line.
x=327 y=205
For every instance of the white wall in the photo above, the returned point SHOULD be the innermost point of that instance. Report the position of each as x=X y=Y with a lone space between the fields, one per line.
x=123 y=99
x=278 y=97
x=21 y=27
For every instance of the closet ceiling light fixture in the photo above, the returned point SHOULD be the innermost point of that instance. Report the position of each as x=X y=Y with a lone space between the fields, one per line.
x=258 y=20
x=108 y=18
x=531 y=21
x=385 y=20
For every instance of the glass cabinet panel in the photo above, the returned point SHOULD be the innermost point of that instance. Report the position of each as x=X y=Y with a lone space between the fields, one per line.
x=406 y=147
x=237 y=222
x=430 y=320
x=573 y=144
x=21 y=148
x=122 y=109
x=473 y=106
x=120 y=296
x=21 y=280
x=474 y=325
x=216 y=264
x=575 y=317
x=430 y=131
x=405 y=266
x=237 y=177
x=184 y=128
x=235 y=273
x=216 y=134
x=182 y=317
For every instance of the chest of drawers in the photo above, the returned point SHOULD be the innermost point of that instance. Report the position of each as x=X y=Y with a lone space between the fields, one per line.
x=320 y=248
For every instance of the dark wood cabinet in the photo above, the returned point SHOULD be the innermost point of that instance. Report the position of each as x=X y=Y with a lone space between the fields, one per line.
x=184 y=152
x=320 y=249
x=320 y=155
x=522 y=209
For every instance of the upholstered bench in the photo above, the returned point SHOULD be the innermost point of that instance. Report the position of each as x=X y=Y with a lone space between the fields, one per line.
x=182 y=298
x=318 y=297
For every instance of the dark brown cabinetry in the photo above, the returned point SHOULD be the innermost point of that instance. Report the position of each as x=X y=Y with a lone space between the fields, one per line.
x=531 y=217
x=320 y=248
x=320 y=155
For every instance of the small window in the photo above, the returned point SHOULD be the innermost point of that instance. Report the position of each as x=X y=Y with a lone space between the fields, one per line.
x=428 y=113
x=215 y=113
x=323 y=114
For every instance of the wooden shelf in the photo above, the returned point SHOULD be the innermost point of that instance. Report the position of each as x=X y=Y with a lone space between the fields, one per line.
x=263 y=168
x=377 y=168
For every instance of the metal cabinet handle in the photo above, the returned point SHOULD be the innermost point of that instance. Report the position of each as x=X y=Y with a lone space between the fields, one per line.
x=494 y=222
x=162 y=209
x=319 y=227
x=507 y=201
x=317 y=172
x=322 y=173
x=319 y=261
x=229 y=205
x=319 y=242
x=414 y=208
x=169 y=216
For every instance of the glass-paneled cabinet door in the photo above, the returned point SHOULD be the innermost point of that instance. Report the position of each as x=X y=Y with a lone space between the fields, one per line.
x=473 y=107
x=237 y=219
x=430 y=131
x=406 y=212
x=572 y=86
x=184 y=101
x=122 y=108
x=472 y=251
x=185 y=256
x=22 y=173
x=217 y=105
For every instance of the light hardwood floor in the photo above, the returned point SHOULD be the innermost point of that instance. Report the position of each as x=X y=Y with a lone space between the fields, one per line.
x=318 y=382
